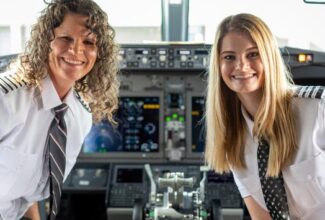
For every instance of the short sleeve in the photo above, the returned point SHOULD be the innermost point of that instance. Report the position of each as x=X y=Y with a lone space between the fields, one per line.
x=241 y=187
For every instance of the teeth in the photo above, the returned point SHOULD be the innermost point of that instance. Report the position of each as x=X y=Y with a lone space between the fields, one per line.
x=243 y=76
x=75 y=62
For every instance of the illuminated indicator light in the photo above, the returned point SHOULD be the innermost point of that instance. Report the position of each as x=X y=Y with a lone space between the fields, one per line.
x=181 y=119
x=195 y=113
x=302 y=58
x=151 y=106
x=305 y=58
x=309 y=58
x=168 y=119
x=175 y=116
x=184 y=52
x=203 y=213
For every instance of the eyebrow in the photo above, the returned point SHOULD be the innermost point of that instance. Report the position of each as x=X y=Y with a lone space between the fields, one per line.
x=227 y=51
x=253 y=48
x=90 y=33
x=230 y=51
x=86 y=32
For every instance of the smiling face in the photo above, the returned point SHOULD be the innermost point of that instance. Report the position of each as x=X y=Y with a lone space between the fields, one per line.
x=240 y=64
x=73 y=52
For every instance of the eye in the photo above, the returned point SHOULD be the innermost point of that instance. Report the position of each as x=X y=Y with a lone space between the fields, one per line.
x=253 y=54
x=229 y=57
x=89 y=42
x=65 y=38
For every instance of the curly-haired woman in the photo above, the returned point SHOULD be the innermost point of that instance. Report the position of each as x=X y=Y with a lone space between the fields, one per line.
x=70 y=62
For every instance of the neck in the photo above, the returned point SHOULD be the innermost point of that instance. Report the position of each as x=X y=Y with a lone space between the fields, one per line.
x=62 y=88
x=62 y=95
x=251 y=102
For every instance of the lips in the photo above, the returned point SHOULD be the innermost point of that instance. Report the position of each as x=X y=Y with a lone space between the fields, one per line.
x=243 y=76
x=73 y=61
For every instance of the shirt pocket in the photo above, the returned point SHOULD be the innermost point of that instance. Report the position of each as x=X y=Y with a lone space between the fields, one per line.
x=18 y=170
x=306 y=184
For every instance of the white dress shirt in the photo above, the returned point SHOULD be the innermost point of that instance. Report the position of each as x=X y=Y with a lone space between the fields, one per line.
x=305 y=177
x=25 y=117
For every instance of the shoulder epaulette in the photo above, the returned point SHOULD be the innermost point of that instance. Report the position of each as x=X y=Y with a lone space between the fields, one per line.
x=10 y=82
x=82 y=101
x=313 y=92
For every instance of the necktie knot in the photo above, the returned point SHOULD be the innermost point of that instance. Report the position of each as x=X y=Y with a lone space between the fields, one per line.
x=60 y=110
x=263 y=142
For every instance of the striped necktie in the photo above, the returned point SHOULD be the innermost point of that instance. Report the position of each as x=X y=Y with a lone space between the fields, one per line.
x=57 y=138
x=272 y=187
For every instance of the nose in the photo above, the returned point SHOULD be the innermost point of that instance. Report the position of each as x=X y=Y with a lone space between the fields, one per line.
x=242 y=64
x=77 y=47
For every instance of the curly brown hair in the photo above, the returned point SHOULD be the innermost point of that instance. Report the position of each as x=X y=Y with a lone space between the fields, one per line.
x=100 y=86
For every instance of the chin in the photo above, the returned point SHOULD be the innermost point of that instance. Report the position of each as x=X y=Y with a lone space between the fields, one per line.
x=248 y=91
x=74 y=76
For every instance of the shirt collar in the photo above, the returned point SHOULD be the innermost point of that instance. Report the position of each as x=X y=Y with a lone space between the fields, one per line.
x=50 y=98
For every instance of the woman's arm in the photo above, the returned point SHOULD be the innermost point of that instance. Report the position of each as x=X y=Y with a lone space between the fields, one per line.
x=33 y=212
x=255 y=210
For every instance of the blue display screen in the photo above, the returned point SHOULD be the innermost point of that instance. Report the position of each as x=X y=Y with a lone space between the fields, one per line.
x=137 y=129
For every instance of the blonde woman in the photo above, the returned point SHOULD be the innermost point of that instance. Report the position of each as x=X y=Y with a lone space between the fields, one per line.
x=269 y=133
x=70 y=62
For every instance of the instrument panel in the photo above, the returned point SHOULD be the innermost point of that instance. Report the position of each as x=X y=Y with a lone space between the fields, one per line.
x=160 y=123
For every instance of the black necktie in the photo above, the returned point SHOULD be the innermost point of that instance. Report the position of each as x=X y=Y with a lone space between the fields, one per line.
x=272 y=187
x=57 y=138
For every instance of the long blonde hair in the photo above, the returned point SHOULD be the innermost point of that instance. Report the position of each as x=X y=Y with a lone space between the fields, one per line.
x=274 y=120
x=100 y=86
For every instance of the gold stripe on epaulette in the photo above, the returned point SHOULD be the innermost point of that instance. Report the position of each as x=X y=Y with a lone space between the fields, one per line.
x=5 y=85
x=83 y=102
x=313 y=92
x=17 y=80
x=10 y=83
x=3 y=88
